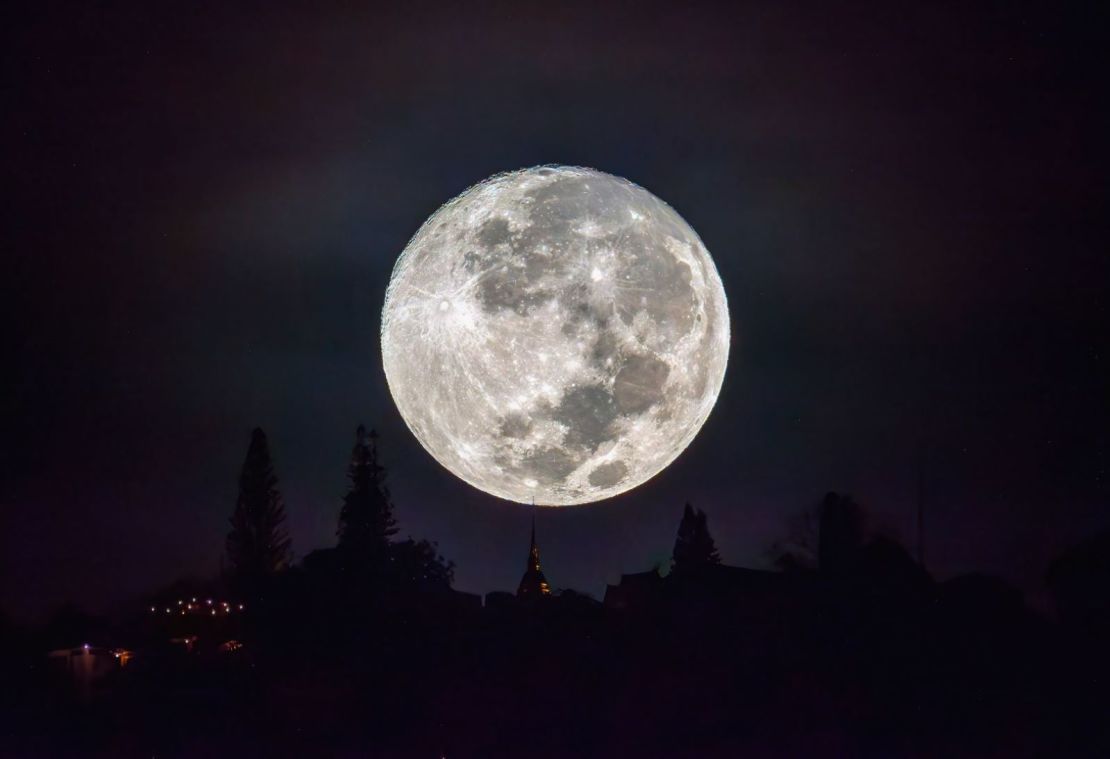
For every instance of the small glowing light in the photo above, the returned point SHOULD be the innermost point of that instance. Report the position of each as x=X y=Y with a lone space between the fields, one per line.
x=152 y=608
x=179 y=603
x=86 y=646
x=209 y=601
x=597 y=274
x=240 y=607
x=213 y=612
x=444 y=305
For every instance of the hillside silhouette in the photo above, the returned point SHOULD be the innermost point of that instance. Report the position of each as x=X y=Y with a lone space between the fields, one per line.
x=849 y=647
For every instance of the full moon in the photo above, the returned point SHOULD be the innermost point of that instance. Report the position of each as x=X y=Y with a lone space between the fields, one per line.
x=556 y=335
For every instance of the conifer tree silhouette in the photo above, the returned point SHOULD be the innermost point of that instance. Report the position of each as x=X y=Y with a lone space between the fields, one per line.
x=694 y=547
x=366 y=522
x=258 y=545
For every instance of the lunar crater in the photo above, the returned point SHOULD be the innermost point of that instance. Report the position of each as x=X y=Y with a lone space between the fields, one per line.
x=555 y=333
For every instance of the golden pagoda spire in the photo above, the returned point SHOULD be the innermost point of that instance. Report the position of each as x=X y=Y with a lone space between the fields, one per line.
x=533 y=583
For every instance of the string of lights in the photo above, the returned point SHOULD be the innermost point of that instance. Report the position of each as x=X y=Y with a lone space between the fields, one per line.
x=207 y=607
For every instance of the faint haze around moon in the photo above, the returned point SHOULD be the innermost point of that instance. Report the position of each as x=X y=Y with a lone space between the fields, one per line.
x=556 y=334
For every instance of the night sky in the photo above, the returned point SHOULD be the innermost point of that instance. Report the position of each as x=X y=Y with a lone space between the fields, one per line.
x=203 y=206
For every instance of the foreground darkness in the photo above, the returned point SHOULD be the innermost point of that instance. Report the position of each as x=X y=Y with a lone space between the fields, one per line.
x=868 y=656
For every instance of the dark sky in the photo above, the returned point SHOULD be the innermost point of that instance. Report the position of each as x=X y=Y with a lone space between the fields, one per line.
x=907 y=207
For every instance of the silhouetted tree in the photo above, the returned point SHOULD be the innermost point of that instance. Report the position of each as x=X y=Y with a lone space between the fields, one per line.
x=841 y=532
x=418 y=563
x=885 y=571
x=694 y=546
x=798 y=550
x=258 y=545
x=366 y=521
x=1080 y=583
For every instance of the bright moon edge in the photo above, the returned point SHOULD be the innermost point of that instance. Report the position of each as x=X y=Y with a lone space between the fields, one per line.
x=555 y=334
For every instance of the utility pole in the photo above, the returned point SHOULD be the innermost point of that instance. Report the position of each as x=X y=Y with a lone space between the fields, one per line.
x=920 y=504
x=920 y=518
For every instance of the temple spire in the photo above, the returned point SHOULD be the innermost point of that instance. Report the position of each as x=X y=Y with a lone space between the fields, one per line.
x=533 y=583
x=533 y=550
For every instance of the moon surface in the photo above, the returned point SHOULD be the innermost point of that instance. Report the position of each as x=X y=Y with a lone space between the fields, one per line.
x=556 y=334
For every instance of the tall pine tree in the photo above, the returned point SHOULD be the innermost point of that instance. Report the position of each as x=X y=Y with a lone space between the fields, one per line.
x=258 y=545
x=694 y=547
x=366 y=521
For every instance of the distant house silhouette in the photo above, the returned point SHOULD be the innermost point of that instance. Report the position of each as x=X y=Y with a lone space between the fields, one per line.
x=744 y=593
x=876 y=570
x=634 y=591
x=700 y=584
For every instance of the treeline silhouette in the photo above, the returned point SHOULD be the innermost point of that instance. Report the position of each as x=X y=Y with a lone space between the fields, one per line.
x=848 y=648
